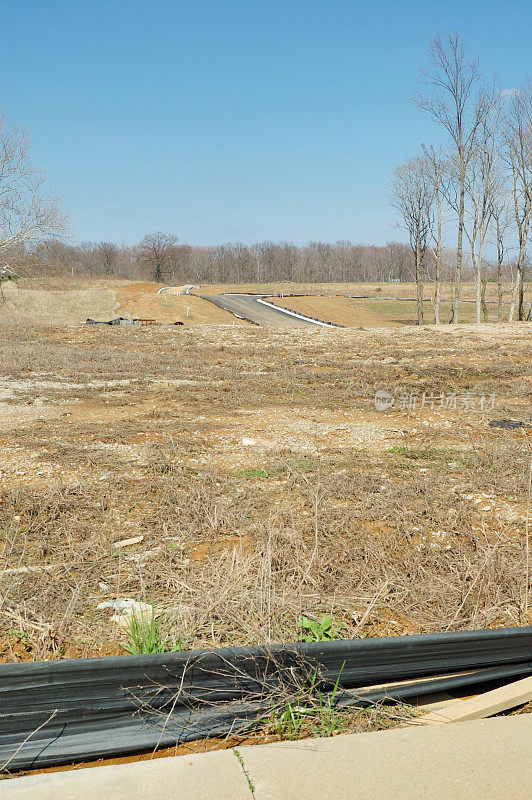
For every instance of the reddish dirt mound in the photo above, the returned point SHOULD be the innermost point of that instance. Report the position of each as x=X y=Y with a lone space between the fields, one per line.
x=141 y=300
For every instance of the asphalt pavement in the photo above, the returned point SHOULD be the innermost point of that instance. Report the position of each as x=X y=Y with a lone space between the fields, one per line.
x=249 y=307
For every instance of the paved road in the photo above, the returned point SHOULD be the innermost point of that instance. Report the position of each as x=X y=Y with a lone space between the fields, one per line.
x=249 y=307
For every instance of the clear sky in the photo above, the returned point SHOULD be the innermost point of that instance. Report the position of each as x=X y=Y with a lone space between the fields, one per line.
x=234 y=120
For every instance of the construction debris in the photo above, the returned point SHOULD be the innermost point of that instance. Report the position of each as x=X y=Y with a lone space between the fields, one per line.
x=118 y=321
x=126 y=609
x=508 y=424
x=125 y=321
x=483 y=705
x=127 y=542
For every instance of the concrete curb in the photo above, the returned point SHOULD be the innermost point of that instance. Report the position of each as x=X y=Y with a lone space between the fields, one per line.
x=205 y=776
x=488 y=759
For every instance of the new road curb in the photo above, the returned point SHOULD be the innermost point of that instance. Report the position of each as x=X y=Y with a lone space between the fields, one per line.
x=488 y=759
x=298 y=315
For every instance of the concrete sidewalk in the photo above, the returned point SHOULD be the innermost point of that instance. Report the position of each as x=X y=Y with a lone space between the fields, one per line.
x=488 y=759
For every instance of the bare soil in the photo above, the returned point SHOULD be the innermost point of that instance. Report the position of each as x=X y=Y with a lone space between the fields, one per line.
x=70 y=300
x=385 y=312
x=264 y=483
x=263 y=480
x=142 y=300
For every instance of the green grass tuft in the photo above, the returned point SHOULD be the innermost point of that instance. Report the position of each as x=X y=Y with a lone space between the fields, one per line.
x=149 y=634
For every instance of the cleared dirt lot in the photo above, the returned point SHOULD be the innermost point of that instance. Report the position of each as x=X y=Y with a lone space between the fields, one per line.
x=354 y=312
x=142 y=300
x=262 y=479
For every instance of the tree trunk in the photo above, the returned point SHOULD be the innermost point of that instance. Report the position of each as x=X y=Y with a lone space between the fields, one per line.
x=500 y=256
x=481 y=282
x=499 y=291
x=483 y=299
x=478 y=289
x=511 y=313
x=521 y=285
x=523 y=225
x=419 y=281
x=458 y=276
x=437 y=298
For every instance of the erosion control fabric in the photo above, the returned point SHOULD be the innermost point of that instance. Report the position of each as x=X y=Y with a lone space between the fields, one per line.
x=56 y=712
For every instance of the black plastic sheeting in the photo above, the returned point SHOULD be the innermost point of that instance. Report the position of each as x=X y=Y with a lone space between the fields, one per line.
x=56 y=712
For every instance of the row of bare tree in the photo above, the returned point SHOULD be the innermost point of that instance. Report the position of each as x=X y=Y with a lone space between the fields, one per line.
x=33 y=228
x=162 y=258
x=480 y=180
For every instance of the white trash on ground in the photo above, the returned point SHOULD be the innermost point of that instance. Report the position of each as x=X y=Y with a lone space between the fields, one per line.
x=126 y=608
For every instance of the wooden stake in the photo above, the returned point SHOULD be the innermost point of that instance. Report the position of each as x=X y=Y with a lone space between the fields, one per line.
x=483 y=705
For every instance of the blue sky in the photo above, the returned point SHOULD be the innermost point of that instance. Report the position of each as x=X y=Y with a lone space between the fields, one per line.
x=235 y=120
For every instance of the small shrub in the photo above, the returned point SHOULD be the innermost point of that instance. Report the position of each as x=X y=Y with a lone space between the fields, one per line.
x=323 y=631
x=251 y=473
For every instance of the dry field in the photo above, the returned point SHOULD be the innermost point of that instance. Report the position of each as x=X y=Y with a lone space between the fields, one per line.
x=70 y=300
x=399 y=290
x=259 y=482
x=356 y=313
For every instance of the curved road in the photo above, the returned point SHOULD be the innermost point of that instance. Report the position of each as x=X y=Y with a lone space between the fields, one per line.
x=251 y=308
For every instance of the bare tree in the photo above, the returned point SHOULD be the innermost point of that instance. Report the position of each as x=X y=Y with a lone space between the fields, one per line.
x=265 y=262
x=455 y=104
x=108 y=256
x=412 y=195
x=518 y=153
x=438 y=174
x=157 y=251
x=500 y=224
x=481 y=188
x=28 y=210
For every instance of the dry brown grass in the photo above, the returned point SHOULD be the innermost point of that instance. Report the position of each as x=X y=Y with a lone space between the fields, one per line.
x=403 y=290
x=239 y=559
x=108 y=434
x=53 y=301
x=352 y=312
x=60 y=300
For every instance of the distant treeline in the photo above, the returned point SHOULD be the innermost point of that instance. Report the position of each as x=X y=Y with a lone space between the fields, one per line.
x=162 y=258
